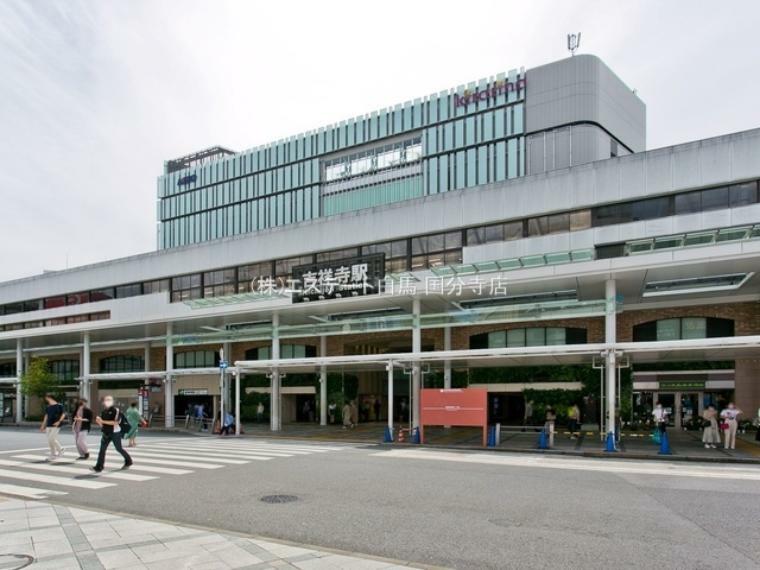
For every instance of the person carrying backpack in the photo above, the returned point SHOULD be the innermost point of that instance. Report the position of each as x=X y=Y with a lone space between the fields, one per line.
x=113 y=425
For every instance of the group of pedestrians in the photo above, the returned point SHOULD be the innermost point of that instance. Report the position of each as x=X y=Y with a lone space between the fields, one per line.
x=714 y=423
x=728 y=424
x=114 y=426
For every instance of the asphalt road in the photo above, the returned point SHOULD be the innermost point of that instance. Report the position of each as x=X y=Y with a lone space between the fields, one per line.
x=456 y=509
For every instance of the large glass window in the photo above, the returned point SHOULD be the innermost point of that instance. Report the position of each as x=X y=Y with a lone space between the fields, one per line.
x=683 y=328
x=742 y=194
x=714 y=199
x=196 y=359
x=688 y=203
x=122 y=363
x=530 y=336
x=219 y=283
x=123 y=291
x=186 y=287
x=64 y=370
x=157 y=286
x=650 y=209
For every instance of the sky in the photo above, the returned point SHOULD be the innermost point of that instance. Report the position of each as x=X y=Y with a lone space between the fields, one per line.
x=96 y=95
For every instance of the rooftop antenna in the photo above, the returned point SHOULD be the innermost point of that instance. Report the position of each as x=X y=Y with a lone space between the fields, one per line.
x=573 y=41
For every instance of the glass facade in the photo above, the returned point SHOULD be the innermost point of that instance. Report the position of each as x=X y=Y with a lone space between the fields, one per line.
x=447 y=141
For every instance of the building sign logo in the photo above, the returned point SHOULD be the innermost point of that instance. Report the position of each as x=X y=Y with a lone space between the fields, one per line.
x=185 y=180
x=500 y=87
x=348 y=277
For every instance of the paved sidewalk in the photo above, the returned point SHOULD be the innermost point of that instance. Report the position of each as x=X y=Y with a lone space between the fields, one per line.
x=38 y=535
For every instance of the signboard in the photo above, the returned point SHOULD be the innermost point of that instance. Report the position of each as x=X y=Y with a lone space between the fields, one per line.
x=347 y=277
x=193 y=392
x=681 y=385
x=185 y=180
x=457 y=407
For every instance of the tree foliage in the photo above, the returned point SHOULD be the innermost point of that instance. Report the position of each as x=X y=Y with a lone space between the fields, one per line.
x=37 y=380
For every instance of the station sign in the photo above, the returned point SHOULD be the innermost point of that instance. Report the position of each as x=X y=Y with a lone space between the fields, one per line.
x=193 y=392
x=348 y=277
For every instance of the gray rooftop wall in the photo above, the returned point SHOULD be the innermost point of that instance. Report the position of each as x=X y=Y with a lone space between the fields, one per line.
x=582 y=89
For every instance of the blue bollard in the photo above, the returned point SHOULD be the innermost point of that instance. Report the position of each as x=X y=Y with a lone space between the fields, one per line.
x=610 y=444
x=664 y=444
x=388 y=435
x=491 y=442
x=543 y=440
x=416 y=435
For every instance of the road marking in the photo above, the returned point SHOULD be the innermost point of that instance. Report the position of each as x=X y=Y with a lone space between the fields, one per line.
x=25 y=450
x=601 y=465
x=146 y=468
x=222 y=452
x=65 y=481
x=168 y=454
x=28 y=492
x=273 y=447
x=71 y=468
x=172 y=462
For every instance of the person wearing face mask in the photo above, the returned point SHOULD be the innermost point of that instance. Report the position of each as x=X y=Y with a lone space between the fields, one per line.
x=108 y=421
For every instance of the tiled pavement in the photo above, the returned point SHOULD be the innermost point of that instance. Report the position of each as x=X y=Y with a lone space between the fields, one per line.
x=683 y=444
x=40 y=535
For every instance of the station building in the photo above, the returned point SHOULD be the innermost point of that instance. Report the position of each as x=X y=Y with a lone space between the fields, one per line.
x=513 y=233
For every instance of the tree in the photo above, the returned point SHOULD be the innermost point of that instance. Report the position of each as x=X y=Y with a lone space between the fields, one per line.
x=37 y=380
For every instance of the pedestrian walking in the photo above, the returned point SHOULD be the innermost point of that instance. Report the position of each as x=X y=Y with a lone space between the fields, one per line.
x=660 y=416
x=51 y=425
x=82 y=422
x=228 y=424
x=110 y=423
x=729 y=417
x=135 y=419
x=551 y=418
x=260 y=413
x=331 y=409
x=573 y=419
x=710 y=435
x=347 y=419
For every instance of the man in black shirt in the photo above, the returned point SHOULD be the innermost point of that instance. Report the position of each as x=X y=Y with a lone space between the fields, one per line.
x=51 y=425
x=109 y=424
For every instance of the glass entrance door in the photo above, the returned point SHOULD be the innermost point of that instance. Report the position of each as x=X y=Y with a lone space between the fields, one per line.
x=689 y=408
x=668 y=401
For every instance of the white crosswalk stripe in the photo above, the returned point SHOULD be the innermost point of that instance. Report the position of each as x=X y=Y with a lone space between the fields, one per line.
x=152 y=459
x=27 y=492
x=68 y=467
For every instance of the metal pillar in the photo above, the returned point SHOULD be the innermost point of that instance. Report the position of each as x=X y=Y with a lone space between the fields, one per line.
x=323 y=382
x=86 y=358
x=168 y=380
x=19 y=373
x=145 y=400
x=416 y=349
x=389 y=368
x=237 y=402
x=275 y=400
x=610 y=334
x=447 y=363
x=227 y=393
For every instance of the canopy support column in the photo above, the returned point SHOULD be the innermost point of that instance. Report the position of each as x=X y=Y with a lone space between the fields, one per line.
x=19 y=374
x=323 y=382
x=610 y=328
x=275 y=400
x=416 y=371
x=168 y=380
